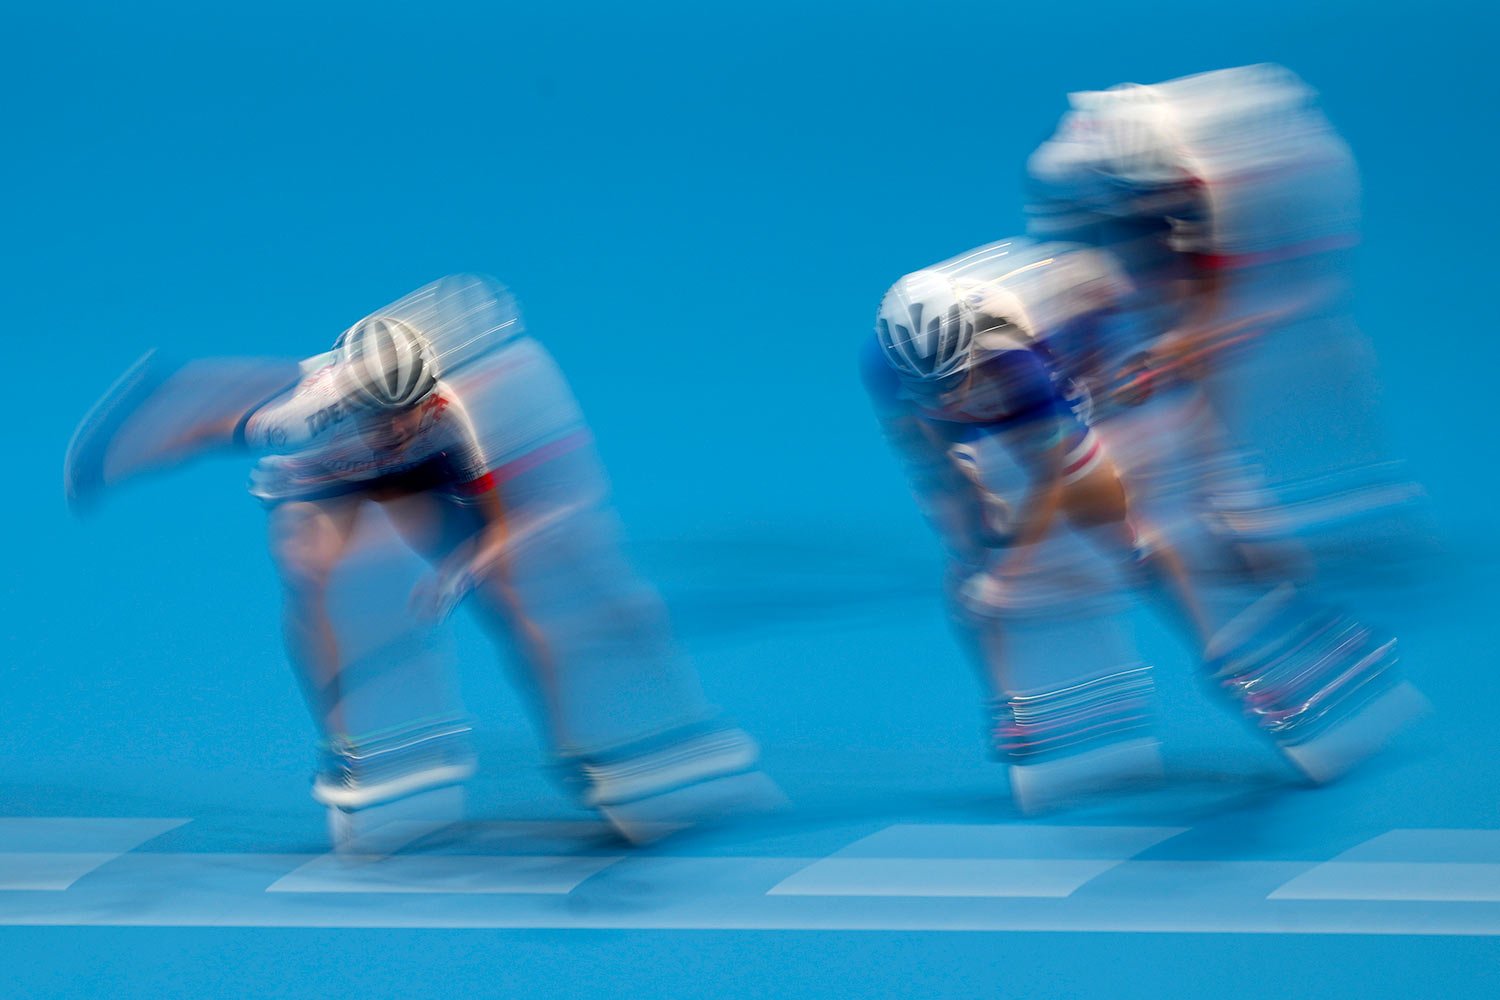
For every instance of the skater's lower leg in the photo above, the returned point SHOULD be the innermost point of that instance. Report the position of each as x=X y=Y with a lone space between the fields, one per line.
x=308 y=539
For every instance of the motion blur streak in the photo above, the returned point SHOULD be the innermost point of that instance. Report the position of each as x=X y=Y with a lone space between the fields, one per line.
x=1161 y=387
x=437 y=427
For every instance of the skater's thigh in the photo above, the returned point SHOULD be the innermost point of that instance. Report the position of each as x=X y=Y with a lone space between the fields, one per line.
x=1097 y=498
x=431 y=523
x=309 y=537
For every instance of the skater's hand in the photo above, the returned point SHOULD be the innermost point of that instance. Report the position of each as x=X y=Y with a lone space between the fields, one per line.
x=1188 y=354
x=1135 y=381
x=436 y=595
x=984 y=591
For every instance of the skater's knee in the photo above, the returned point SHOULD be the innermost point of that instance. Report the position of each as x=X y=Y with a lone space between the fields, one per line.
x=305 y=580
x=305 y=551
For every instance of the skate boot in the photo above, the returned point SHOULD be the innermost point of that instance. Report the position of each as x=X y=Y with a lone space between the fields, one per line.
x=683 y=779
x=394 y=764
x=1088 y=737
x=1324 y=687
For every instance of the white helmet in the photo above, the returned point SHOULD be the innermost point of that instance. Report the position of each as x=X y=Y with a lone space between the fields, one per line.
x=925 y=330
x=387 y=364
x=932 y=326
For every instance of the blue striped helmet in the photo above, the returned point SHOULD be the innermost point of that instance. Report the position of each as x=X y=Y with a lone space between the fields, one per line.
x=925 y=329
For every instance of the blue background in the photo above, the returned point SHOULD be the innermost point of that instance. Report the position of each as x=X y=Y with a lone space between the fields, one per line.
x=699 y=207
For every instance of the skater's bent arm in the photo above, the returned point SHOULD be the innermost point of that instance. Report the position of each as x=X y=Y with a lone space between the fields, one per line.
x=1038 y=511
x=471 y=469
x=494 y=536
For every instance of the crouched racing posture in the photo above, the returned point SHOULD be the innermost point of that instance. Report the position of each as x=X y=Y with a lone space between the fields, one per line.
x=978 y=373
x=480 y=460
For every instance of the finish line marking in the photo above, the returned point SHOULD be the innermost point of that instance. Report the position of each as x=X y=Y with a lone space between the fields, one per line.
x=908 y=877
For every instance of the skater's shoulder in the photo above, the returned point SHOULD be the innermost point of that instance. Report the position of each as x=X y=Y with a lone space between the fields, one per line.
x=318 y=365
x=318 y=376
x=443 y=404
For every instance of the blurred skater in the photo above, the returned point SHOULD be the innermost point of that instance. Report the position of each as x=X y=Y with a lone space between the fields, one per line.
x=1233 y=205
x=979 y=370
x=465 y=436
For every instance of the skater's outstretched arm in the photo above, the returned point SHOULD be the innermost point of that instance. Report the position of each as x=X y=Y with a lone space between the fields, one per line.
x=161 y=415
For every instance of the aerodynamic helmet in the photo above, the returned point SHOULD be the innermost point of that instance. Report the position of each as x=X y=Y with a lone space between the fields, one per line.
x=387 y=364
x=926 y=331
